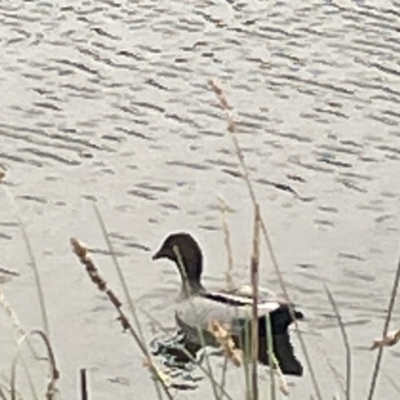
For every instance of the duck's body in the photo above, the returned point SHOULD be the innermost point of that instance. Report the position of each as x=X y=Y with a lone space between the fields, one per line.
x=199 y=307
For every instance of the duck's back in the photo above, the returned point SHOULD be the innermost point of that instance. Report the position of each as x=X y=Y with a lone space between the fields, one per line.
x=196 y=313
x=194 y=316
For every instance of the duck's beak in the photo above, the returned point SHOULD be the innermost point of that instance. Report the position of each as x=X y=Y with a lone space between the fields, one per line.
x=159 y=254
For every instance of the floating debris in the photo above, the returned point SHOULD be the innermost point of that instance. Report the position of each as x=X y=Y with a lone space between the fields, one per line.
x=389 y=340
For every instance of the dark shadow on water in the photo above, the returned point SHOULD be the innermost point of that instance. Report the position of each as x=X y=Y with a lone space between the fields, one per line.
x=175 y=350
x=178 y=357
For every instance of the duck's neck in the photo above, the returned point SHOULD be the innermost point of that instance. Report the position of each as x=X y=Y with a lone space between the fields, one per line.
x=190 y=288
x=191 y=277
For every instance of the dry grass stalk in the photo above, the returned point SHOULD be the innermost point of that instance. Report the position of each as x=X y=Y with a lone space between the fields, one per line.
x=230 y=284
x=13 y=390
x=157 y=373
x=3 y=390
x=283 y=386
x=220 y=94
x=255 y=261
x=52 y=391
x=20 y=333
x=389 y=340
x=385 y=331
x=169 y=382
x=345 y=341
x=186 y=291
x=2 y=173
x=223 y=337
x=125 y=289
x=273 y=362
x=82 y=253
x=39 y=286
x=232 y=130
x=119 y=273
x=192 y=358
x=335 y=372
x=83 y=384
x=274 y=366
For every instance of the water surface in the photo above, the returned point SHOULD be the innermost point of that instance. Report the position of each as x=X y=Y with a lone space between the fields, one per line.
x=108 y=101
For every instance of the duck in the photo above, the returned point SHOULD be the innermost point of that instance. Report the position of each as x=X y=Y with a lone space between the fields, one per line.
x=198 y=307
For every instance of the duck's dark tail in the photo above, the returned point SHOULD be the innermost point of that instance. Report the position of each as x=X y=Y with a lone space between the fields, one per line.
x=283 y=351
x=280 y=319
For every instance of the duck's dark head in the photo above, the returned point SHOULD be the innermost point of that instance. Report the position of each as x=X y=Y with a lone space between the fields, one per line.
x=183 y=246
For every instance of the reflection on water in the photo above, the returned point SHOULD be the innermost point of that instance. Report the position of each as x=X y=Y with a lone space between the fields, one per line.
x=108 y=101
x=176 y=350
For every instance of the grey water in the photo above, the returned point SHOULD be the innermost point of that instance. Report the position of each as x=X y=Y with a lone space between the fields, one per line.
x=108 y=101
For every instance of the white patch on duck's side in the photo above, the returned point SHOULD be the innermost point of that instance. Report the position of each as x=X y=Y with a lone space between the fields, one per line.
x=269 y=306
x=266 y=306
x=263 y=293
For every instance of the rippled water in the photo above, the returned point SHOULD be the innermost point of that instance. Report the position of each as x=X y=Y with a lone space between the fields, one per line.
x=109 y=100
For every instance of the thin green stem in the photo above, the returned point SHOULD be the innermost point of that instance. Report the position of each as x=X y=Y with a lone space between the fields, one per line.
x=271 y=356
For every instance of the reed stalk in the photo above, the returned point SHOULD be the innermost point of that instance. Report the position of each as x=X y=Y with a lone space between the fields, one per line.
x=223 y=376
x=227 y=239
x=271 y=357
x=231 y=129
x=2 y=394
x=379 y=356
x=38 y=284
x=84 y=390
x=82 y=253
x=345 y=341
x=120 y=274
x=255 y=261
x=51 y=392
x=207 y=373
x=18 y=356
x=186 y=288
x=124 y=285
